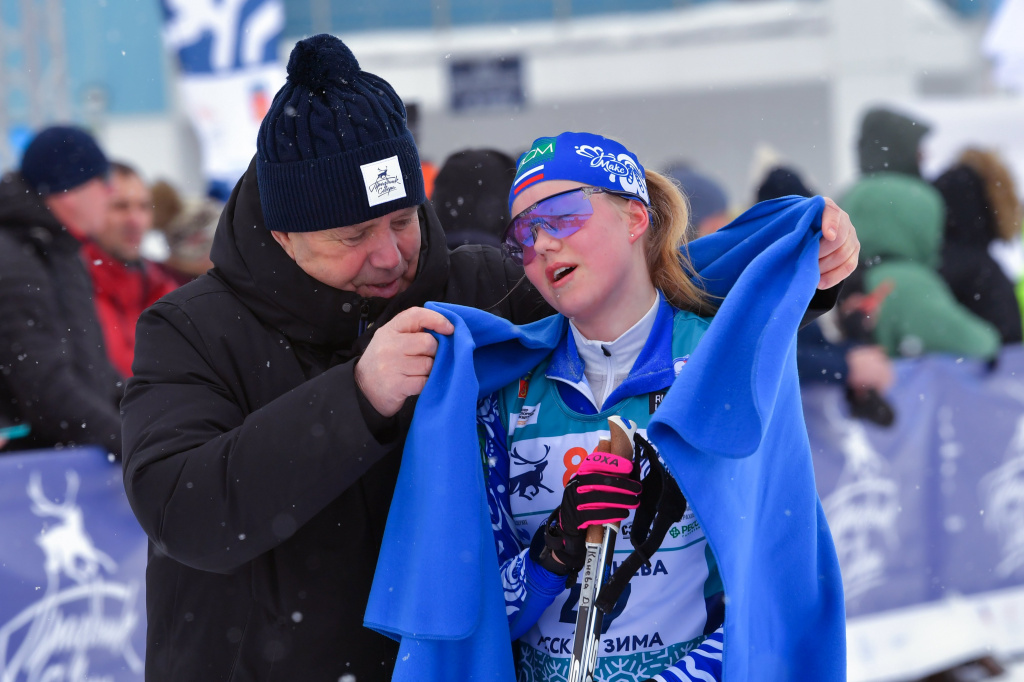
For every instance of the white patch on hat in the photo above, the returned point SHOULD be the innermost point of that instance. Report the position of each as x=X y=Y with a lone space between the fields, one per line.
x=383 y=181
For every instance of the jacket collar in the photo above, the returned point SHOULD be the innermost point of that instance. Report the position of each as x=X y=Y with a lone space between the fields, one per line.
x=22 y=210
x=652 y=370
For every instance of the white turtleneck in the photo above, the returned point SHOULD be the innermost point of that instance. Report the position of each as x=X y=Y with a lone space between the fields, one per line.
x=607 y=364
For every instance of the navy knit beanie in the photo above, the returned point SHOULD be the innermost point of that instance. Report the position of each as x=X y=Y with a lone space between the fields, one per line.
x=706 y=196
x=60 y=158
x=334 y=149
x=782 y=182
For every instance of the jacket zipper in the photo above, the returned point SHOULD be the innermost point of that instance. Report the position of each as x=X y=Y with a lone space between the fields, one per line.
x=364 y=317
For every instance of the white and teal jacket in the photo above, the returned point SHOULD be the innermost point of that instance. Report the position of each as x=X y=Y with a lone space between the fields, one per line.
x=534 y=434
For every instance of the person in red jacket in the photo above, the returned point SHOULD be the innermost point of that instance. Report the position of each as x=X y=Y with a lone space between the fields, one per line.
x=124 y=284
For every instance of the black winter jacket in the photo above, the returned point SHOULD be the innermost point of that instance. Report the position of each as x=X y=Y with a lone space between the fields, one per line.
x=977 y=281
x=54 y=371
x=261 y=475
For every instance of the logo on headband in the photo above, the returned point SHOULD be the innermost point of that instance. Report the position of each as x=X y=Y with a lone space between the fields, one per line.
x=622 y=168
x=544 y=148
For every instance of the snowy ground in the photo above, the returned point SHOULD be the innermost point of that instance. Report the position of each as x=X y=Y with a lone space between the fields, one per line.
x=911 y=643
x=1014 y=673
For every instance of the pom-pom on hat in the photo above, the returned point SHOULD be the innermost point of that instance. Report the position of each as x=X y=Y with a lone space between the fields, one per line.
x=583 y=157
x=61 y=158
x=334 y=148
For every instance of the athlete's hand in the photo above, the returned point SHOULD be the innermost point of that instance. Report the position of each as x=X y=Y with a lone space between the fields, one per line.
x=839 y=247
x=602 y=491
x=398 y=359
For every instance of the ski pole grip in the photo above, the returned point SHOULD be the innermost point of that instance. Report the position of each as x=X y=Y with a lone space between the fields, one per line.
x=595 y=534
x=621 y=444
x=621 y=441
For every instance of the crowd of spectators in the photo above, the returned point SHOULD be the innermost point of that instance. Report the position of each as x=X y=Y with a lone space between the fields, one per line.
x=73 y=280
x=73 y=283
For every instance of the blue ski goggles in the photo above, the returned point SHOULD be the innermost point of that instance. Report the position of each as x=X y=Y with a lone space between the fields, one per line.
x=560 y=215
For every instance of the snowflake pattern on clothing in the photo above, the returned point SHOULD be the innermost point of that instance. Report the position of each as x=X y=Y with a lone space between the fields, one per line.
x=534 y=667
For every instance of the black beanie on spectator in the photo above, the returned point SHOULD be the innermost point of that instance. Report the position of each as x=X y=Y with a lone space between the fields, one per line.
x=471 y=196
x=61 y=158
x=782 y=182
x=890 y=141
x=705 y=196
x=334 y=148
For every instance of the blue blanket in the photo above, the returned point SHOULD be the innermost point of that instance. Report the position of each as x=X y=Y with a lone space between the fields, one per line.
x=730 y=429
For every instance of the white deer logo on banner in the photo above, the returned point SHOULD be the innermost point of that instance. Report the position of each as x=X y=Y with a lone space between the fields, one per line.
x=1003 y=493
x=79 y=610
x=862 y=510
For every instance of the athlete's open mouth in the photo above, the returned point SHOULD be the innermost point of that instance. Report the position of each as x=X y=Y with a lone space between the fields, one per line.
x=562 y=272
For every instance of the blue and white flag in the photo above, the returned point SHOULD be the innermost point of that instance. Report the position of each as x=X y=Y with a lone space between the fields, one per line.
x=72 y=570
x=228 y=55
x=1003 y=45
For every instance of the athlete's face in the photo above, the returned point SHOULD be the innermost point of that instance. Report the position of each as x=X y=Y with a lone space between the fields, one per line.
x=597 y=276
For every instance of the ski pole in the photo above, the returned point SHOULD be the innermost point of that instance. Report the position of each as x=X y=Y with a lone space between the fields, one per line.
x=600 y=542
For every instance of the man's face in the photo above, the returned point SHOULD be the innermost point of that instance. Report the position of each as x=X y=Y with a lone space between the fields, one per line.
x=83 y=210
x=129 y=218
x=377 y=258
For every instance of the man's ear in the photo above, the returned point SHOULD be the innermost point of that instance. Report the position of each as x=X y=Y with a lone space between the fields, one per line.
x=285 y=240
x=639 y=220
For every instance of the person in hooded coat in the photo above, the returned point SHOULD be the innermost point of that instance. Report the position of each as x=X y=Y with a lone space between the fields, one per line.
x=260 y=471
x=54 y=373
x=900 y=223
x=265 y=420
x=901 y=217
x=981 y=206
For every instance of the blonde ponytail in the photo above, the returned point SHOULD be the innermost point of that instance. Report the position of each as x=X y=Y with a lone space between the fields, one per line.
x=668 y=258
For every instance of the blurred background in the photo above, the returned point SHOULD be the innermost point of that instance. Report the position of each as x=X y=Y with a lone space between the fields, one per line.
x=720 y=83
x=919 y=449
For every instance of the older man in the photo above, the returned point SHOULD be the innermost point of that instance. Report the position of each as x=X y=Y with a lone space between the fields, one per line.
x=54 y=373
x=265 y=422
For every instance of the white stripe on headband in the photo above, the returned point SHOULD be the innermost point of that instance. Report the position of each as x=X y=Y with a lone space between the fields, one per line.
x=529 y=172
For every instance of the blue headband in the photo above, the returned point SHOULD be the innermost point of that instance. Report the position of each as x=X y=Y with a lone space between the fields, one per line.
x=582 y=157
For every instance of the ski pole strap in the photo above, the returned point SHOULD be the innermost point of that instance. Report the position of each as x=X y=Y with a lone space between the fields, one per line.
x=548 y=539
x=661 y=504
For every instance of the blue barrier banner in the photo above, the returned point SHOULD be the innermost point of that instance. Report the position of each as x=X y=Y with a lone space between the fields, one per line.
x=932 y=506
x=927 y=516
x=72 y=570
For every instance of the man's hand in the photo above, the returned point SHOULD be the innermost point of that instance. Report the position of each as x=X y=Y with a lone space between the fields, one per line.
x=398 y=359
x=839 y=249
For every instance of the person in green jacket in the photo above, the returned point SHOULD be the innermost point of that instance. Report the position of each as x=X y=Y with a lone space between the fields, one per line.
x=900 y=220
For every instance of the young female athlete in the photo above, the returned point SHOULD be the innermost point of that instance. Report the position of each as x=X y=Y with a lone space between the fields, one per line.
x=603 y=241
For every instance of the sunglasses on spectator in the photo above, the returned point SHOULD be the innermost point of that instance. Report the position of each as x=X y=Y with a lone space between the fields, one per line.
x=560 y=215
